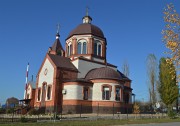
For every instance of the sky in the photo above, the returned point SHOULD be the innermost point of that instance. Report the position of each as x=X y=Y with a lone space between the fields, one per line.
x=28 y=27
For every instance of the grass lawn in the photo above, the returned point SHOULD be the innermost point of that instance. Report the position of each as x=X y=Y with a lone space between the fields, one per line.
x=95 y=122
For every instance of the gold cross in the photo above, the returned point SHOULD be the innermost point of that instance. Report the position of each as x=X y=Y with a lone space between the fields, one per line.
x=87 y=9
x=58 y=27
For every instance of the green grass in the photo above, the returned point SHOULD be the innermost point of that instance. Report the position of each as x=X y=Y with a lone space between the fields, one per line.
x=95 y=122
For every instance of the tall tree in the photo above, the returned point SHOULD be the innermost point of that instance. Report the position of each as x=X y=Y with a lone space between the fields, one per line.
x=151 y=63
x=125 y=68
x=171 y=35
x=167 y=88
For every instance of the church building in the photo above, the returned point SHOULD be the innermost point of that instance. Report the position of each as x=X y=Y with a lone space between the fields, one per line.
x=78 y=79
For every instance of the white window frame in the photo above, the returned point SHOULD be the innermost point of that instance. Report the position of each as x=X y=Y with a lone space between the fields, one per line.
x=39 y=95
x=70 y=50
x=97 y=49
x=105 y=89
x=47 y=92
x=82 y=41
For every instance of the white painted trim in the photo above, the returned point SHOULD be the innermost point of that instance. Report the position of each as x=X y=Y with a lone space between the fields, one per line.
x=82 y=41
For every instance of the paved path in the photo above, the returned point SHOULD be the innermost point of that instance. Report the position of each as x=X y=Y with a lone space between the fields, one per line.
x=155 y=124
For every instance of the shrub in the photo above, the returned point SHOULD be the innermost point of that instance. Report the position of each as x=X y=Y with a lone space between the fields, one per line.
x=9 y=110
x=136 y=109
x=23 y=119
x=2 y=111
x=171 y=114
x=33 y=112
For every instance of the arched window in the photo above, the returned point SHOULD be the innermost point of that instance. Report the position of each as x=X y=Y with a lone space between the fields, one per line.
x=79 y=48
x=49 y=93
x=106 y=93
x=43 y=96
x=117 y=95
x=84 y=48
x=69 y=50
x=39 y=94
x=85 y=93
x=97 y=48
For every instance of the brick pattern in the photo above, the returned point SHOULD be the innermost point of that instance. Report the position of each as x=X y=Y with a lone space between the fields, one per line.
x=74 y=106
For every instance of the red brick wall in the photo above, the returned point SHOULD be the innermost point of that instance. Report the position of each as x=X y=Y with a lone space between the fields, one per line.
x=32 y=98
x=82 y=106
x=127 y=83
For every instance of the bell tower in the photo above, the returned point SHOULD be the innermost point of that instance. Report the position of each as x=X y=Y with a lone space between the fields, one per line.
x=86 y=41
x=56 y=48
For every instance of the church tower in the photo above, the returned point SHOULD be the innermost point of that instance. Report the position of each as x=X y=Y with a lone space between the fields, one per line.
x=87 y=41
x=57 y=48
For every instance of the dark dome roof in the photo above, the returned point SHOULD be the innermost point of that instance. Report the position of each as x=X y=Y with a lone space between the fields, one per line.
x=86 y=28
x=103 y=73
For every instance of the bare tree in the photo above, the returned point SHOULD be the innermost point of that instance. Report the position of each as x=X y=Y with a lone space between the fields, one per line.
x=151 y=63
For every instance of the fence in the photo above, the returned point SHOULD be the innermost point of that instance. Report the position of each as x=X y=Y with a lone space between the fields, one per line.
x=79 y=112
x=9 y=118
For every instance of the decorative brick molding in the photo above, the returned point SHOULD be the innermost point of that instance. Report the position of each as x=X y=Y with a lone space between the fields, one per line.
x=107 y=81
x=106 y=85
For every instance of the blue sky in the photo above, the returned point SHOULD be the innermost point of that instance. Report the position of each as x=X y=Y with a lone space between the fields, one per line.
x=28 y=27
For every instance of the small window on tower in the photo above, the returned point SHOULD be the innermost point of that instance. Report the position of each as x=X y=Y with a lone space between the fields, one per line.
x=70 y=50
x=95 y=48
x=79 y=48
x=99 y=50
x=84 y=48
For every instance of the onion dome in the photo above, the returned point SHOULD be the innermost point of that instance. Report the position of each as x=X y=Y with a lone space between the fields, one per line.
x=103 y=73
x=87 y=28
